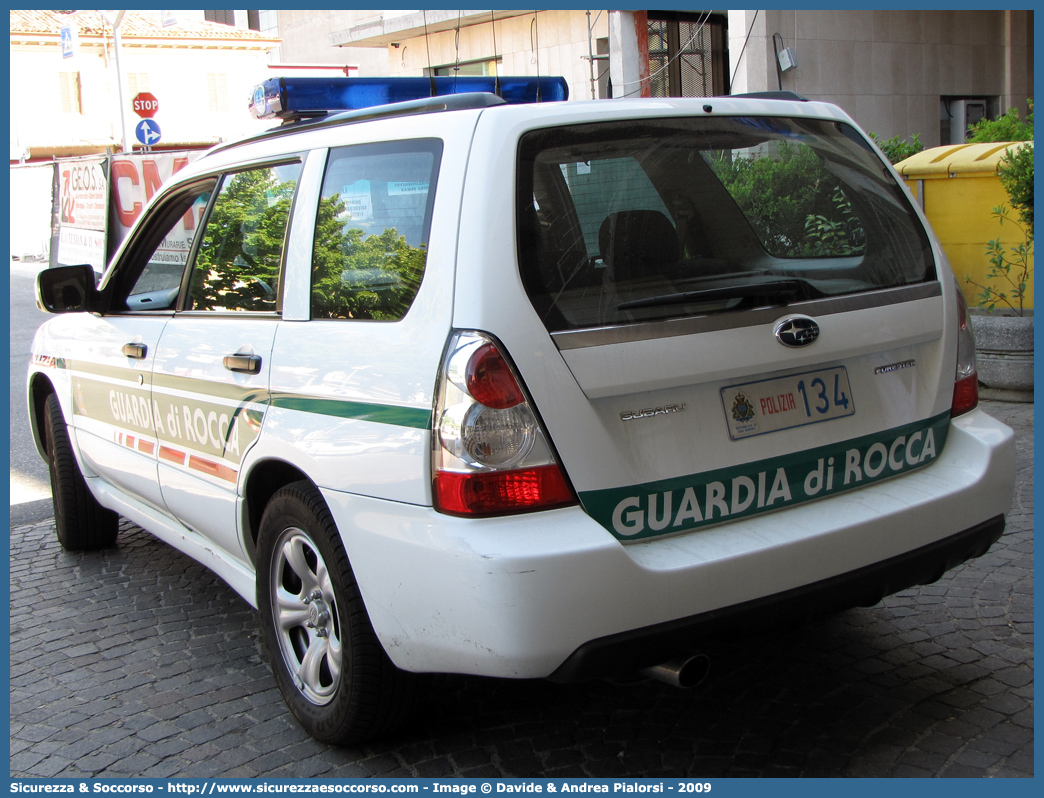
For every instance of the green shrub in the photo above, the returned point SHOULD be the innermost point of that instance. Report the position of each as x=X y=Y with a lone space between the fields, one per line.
x=896 y=149
x=1016 y=165
x=1016 y=175
x=1005 y=128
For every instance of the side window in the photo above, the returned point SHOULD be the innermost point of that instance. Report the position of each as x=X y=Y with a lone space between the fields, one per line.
x=371 y=238
x=241 y=251
x=158 y=261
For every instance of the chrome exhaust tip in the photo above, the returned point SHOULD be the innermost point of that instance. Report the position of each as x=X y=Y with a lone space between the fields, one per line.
x=685 y=671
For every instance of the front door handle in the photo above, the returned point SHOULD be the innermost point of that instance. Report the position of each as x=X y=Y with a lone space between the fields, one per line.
x=243 y=364
x=136 y=351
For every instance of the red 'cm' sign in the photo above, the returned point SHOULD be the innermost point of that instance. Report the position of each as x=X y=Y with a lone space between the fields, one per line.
x=145 y=105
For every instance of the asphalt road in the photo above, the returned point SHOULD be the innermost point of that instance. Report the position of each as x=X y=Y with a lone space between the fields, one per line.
x=30 y=485
x=137 y=661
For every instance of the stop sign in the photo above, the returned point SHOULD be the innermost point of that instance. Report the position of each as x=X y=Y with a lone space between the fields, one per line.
x=145 y=104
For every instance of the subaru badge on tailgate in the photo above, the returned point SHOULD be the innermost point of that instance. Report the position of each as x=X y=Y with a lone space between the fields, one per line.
x=797 y=331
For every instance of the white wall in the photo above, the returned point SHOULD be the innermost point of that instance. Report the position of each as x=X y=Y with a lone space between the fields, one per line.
x=31 y=211
x=177 y=77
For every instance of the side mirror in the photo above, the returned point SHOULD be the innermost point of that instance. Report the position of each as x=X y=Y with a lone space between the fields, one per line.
x=67 y=289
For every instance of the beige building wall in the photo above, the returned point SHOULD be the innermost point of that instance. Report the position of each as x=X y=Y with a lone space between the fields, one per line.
x=307 y=39
x=526 y=42
x=538 y=43
x=889 y=68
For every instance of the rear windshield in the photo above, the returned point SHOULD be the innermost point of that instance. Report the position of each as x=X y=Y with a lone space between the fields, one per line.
x=635 y=221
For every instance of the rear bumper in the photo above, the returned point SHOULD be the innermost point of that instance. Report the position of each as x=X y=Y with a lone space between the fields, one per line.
x=554 y=594
x=630 y=651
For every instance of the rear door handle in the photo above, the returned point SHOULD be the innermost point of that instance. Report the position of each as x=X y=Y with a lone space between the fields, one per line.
x=136 y=351
x=243 y=364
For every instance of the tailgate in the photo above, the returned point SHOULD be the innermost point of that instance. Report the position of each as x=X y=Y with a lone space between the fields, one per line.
x=749 y=308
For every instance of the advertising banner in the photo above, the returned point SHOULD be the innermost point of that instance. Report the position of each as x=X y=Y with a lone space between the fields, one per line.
x=135 y=179
x=82 y=205
x=98 y=200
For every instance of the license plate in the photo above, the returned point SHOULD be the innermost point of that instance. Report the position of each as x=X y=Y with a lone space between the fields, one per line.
x=756 y=408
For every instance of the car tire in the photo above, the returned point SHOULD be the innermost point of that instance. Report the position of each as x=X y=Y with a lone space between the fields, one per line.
x=82 y=524
x=328 y=663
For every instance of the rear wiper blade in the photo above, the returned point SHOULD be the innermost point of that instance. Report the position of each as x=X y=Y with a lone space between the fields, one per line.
x=779 y=291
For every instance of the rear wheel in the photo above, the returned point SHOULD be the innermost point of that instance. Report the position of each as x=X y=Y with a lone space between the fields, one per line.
x=81 y=522
x=327 y=660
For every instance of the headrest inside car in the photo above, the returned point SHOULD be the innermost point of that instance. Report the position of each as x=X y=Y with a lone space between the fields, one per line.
x=637 y=243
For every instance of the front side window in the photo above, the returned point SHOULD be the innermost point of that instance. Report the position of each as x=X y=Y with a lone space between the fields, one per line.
x=152 y=272
x=644 y=220
x=240 y=254
x=372 y=229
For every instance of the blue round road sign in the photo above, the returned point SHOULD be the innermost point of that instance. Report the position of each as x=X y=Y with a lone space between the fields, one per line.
x=147 y=131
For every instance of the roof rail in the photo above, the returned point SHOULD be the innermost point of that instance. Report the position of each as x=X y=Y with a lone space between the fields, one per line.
x=771 y=95
x=428 y=105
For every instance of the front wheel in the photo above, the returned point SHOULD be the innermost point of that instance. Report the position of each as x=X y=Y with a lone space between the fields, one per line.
x=81 y=522
x=327 y=660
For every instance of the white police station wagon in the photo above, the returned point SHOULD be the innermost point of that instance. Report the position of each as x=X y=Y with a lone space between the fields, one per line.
x=526 y=390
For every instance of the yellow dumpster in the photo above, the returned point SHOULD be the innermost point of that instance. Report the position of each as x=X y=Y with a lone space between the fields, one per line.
x=958 y=187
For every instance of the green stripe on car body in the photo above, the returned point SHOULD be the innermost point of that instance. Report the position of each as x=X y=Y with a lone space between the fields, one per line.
x=123 y=373
x=698 y=500
x=415 y=418
x=214 y=390
x=163 y=386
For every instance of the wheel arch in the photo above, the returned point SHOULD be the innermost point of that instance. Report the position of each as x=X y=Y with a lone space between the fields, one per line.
x=263 y=480
x=40 y=387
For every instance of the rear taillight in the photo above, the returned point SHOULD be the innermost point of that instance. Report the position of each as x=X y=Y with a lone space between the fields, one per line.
x=490 y=455
x=966 y=378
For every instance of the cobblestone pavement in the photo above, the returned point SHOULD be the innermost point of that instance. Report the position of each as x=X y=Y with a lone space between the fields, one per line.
x=138 y=662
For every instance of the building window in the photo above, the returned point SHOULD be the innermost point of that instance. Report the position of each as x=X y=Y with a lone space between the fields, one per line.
x=602 y=68
x=223 y=16
x=69 y=88
x=487 y=67
x=268 y=23
x=687 y=54
x=217 y=91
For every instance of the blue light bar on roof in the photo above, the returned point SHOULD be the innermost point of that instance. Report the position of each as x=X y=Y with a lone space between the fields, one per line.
x=296 y=98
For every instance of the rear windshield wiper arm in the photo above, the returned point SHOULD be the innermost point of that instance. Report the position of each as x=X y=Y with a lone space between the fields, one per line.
x=780 y=291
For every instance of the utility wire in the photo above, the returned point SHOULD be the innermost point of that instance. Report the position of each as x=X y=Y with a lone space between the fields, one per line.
x=699 y=29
